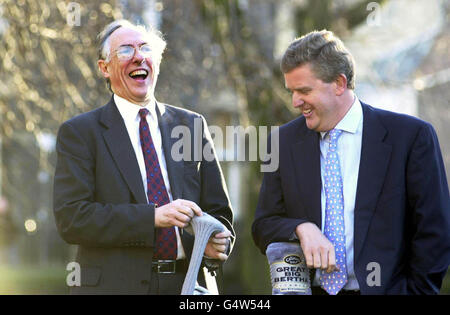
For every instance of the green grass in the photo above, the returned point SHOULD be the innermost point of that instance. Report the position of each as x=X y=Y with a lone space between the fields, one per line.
x=33 y=280
x=445 y=289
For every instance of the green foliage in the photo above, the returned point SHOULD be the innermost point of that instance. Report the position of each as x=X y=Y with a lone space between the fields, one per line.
x=33 y=280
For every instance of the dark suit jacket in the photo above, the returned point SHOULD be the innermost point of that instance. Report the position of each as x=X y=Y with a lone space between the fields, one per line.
x=100 y=202
x=402 y=210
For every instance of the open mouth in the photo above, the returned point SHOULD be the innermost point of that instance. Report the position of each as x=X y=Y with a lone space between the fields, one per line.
x=307 y=112
x=139 y=75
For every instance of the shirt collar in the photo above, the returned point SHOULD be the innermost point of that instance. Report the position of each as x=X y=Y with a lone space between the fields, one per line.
x=130 y=111
x=351 y=120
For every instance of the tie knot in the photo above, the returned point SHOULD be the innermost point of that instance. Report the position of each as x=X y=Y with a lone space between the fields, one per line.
x=143 y=112
x=334 y=135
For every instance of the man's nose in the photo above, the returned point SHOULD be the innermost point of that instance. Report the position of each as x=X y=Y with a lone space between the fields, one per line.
x=138 y=56
x=297 y=99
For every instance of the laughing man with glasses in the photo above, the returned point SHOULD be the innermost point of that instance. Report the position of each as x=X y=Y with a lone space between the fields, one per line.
x=119 y=194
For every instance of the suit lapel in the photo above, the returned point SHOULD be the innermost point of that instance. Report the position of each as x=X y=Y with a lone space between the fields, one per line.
x=306 y=160
x=167 y=123
x=375 y=156
x=119 y=144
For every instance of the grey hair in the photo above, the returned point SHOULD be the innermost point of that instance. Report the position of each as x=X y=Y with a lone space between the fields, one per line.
x=326 y=54
x=155 y=39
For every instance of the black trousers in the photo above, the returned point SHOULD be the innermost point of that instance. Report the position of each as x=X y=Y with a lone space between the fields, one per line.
x=167 y=283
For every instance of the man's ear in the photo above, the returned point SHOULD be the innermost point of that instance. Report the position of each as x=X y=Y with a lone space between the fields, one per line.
x=103 y=68
x=341 y=84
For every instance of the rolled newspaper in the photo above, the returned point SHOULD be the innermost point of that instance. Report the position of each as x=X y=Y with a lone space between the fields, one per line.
x=288 y=271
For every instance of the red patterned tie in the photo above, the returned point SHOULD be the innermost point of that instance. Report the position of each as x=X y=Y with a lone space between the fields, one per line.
x=165 y=240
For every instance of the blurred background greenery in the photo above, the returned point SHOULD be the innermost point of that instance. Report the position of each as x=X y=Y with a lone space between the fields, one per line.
x=222 y=60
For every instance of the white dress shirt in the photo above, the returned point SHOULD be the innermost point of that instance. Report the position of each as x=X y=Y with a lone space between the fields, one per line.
x=349 y=151
x=130 y=114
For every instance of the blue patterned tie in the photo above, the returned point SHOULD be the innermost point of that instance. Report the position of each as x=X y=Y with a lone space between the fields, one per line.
x=334 y=217
x=165 y=238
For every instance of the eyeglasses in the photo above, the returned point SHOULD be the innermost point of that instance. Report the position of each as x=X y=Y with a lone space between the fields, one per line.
x=127 y=52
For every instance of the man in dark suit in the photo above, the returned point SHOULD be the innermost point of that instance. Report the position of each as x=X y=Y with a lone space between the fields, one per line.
x=121 y=190
x=364 y=190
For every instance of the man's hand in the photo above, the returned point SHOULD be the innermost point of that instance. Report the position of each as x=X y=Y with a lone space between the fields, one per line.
x=217 y=245
x=177 y=213
x=318 y=250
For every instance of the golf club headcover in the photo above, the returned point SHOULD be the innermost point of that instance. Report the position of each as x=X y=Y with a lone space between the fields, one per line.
x=202 y=227
x=288 y=271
